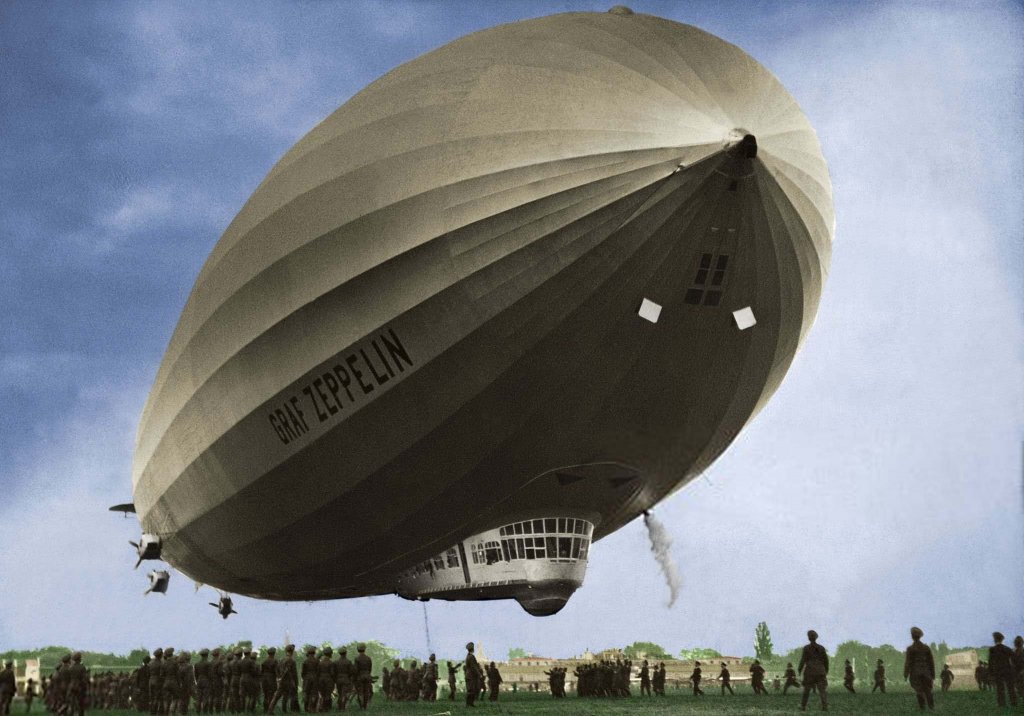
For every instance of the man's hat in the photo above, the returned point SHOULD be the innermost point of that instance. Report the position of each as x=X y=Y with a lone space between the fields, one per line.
x=998 y=636
x=238 y=651
x=146 y=659
x=328 y=651
x=204 y=652
x=158 y=652
x=168 y=651
x=66 y=658
x=247 y=649
x=879 y=661
x=216 y=651
x=9 y=664
x=311 y=649
x=757 y=661
x=361 y=647
x=469 y=646
x=343 y=650
x=916 y=633
x=433 y=658
x=289 y=648
x=812 y=635
x=272 y=650
x=847 y=661
x=696 y=663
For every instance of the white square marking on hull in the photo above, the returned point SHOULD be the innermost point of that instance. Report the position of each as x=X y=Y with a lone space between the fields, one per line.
x=650 y=310
x=744 y=318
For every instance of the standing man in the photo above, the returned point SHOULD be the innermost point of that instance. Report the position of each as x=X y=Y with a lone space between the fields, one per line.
x=430 y=679
x=645 y=679
x=919 y=667
x=268 y=678
x=202 y=673
x=186 y=681
x=493 y=680
x=946 y=677
x=472 y=670
x=1018 y=662
x=848 y=677
x=8 y=685
x=814 y=667
x=695 y=678
x=879 y=677
x=287 y=682
x=325 y=678
x=170 y=672
x=140 y=684
x=156 y=683
x=215 y=699
x=77 y=684
x=344 y=674
x=1001 y=672
x=30 y=694
x=453 y=670
x=757 y=677
x=309 y=680
x=363 y=676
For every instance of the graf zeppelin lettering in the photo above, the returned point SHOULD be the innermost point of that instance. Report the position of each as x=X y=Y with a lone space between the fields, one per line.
x=350 y=379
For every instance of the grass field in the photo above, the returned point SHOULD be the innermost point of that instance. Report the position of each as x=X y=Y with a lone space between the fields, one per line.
x=896 y=701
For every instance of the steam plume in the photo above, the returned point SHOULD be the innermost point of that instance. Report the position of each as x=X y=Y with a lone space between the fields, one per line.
x=661 y=543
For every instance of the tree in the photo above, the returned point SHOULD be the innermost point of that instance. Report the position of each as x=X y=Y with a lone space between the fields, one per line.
x=516 y=653
x=645 y=650
x=763 y=641
x=698 y=654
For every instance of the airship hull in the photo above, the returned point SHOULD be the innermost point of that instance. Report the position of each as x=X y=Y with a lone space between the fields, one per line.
x=433 y=318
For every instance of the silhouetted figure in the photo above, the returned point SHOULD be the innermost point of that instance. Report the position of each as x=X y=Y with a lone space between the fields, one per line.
x=814 y=668
x=791 y=679
x=725 y=677
x=1001 y=672
x=757 y=677
x=695 y=678
x=946 y=677
x=879 y=677
x=645 y=679
x=8 y=685
x=1018 y=662
x=919 y=668
x=472 y=672
x=848 y=677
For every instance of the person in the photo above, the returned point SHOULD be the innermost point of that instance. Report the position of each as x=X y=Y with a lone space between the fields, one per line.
x=30 y=694
x=1001 y=673
x=8 y=685
x=919 y=668
x=186 y=682
x=77 y=685
x=363 y=667
x=287 y=682
x=658 y=681
x=848 y=677
x=325 y=678
x=472 y=671
x=453 y=670
x=156 y=683
x=310 y=689
x=946 y=677
x=249 y=680
x=791 y=679
x=695 y=678
x=170 y=674
x=344 y=674
x=645 y=679
x=493 y=681
x=879 y=677
x=202 y=674
x=725 y=677
x=268 y=678
x=1018 y=662
x=430 y=679
x=398 y=677
x=814 y=668
x=757 y=677
x=215 y=702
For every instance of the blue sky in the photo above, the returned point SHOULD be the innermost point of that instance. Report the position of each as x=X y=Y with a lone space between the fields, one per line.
x=881 y=487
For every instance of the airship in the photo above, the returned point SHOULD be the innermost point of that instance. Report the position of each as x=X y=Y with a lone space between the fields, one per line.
x=503 y=300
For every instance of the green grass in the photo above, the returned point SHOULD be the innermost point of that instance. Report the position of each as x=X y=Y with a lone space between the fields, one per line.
x=899 y=700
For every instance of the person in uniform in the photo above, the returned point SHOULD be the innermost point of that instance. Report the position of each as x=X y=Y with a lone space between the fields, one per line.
x=1001 y=672
x=140 y=685
x=814 y=668
x=250 y=680
x=1018 y=662
x=77 y=685
x=946 y=677
x=268 y=678
x=472 y=671
x=287 y=682
x=879 y=677
x=726 y=678
x=757 y=677
x=919 y=668
x=848 y=677
x=695 y=678
x=170 y=680
x=430 y=679
x=202 y=675
x=397 y=681
x=791 y=679
x=186 y=682
x=645 y=679
x=493 y=680
x=310 y=690
x=30 y=694
x=453 y=670
x=363 y=666
x=344 y=675
x=8 y=686
x=156 y=683
x=325 y=678
x=215 y=696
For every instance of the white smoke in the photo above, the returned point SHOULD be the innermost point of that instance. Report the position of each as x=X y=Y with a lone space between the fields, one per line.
x=661 y=544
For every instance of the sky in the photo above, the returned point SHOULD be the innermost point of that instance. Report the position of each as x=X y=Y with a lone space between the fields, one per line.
x=881 y=487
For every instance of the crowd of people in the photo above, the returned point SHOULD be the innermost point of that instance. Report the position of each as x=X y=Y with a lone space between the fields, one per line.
x=236 y=682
